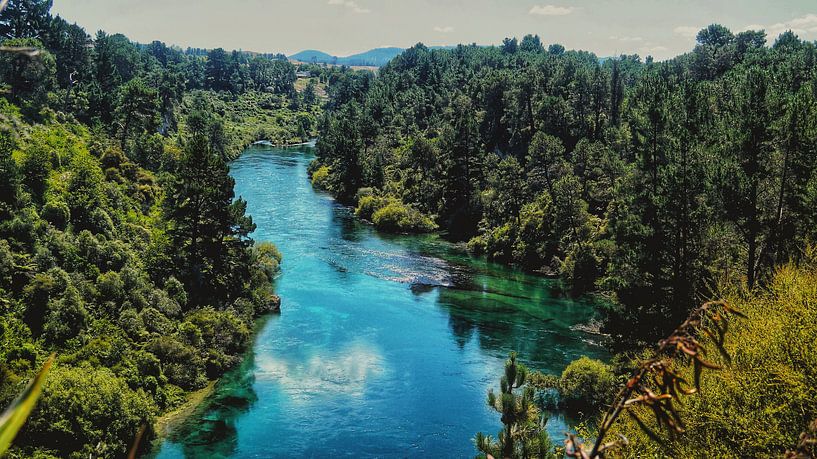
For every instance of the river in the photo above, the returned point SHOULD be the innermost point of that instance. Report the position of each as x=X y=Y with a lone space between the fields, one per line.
x=386 y=345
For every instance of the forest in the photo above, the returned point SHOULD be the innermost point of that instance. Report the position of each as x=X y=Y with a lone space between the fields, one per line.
x=122 y=246
x=646 y=183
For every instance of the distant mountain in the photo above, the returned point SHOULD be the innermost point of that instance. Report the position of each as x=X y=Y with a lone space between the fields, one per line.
x=312 y=55
x=377 y=57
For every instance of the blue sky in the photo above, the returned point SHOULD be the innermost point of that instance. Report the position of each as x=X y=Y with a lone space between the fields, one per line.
x=660 y=28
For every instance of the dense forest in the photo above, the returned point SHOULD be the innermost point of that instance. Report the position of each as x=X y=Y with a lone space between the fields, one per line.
x=122 y=247
x=649 y=183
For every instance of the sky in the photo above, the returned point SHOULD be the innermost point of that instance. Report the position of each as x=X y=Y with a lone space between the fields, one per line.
x=660 y=28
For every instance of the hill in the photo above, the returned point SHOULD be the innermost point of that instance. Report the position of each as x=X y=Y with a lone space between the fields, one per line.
x=377 y=57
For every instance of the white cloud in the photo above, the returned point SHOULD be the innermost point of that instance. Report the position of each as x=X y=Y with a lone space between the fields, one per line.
x=804 y=26
x=446 y=29
x=350 y=5
x=551 y=10
x=687 y=31
x=625 y=39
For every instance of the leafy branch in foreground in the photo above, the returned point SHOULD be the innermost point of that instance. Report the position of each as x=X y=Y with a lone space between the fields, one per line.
x=807 y=446
x=656 y=383
x=16 y=414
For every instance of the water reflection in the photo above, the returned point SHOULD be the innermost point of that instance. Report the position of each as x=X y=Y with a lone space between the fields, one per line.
x=345 y=372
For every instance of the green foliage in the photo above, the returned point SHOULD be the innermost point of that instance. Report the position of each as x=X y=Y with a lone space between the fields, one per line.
x=66 y=317
x=638 y=180
x=209 y=232
x=389 y=214
x=86 y=411
x=57 y=213
x=121 y=247
x=587 y=383
x=320 y=178
x=398 y=217
x=233 y=122
x=13 y=418
x=29 y=77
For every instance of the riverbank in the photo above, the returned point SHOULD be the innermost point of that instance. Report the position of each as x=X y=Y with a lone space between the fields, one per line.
x=166 y=423
x=255 y=116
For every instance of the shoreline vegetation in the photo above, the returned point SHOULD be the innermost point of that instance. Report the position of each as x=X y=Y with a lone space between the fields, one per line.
x=123 y=249
x=171 y=420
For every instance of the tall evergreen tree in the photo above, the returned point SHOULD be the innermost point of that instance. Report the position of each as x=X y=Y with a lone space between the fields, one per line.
x=209 y=231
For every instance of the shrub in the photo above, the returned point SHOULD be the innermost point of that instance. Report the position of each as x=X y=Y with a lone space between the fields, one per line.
x=759 y=402
x=175 y=289
x=6 y=263
x=398 y=217
x=223 y=335
x=267 y=258
x=180 y=362
x=84 y=408
x=156 y=322
x=66 y=317
x=110 y=286
x=321 y=178
x=368 y=205
x=587 y=383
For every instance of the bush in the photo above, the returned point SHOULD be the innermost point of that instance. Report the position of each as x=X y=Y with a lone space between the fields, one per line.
x=321 y=178
x=66 y=317
x=175 y=289
x=223 y=335
x=759 y=402
x=267 y=258
x=397 y=217
x=110 y=286
x=180 y=362
x=368 y=205
x=587 y=383
x=84 y=408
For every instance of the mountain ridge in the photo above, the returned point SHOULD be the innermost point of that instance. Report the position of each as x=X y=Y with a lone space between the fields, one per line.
x=376 y=57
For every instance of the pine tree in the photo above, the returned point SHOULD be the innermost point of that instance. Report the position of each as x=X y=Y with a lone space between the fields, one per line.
x=523 y=435
x=209 y=232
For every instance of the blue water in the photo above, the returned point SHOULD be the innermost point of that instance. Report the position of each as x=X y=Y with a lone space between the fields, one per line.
x=385 y=346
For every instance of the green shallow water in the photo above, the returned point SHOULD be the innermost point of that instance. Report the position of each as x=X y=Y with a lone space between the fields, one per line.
x=386 y=345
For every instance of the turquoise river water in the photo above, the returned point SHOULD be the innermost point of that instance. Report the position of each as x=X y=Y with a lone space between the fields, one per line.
x=385 y=346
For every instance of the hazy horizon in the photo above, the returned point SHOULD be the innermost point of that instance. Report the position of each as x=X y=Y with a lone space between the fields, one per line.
x=344 y=27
